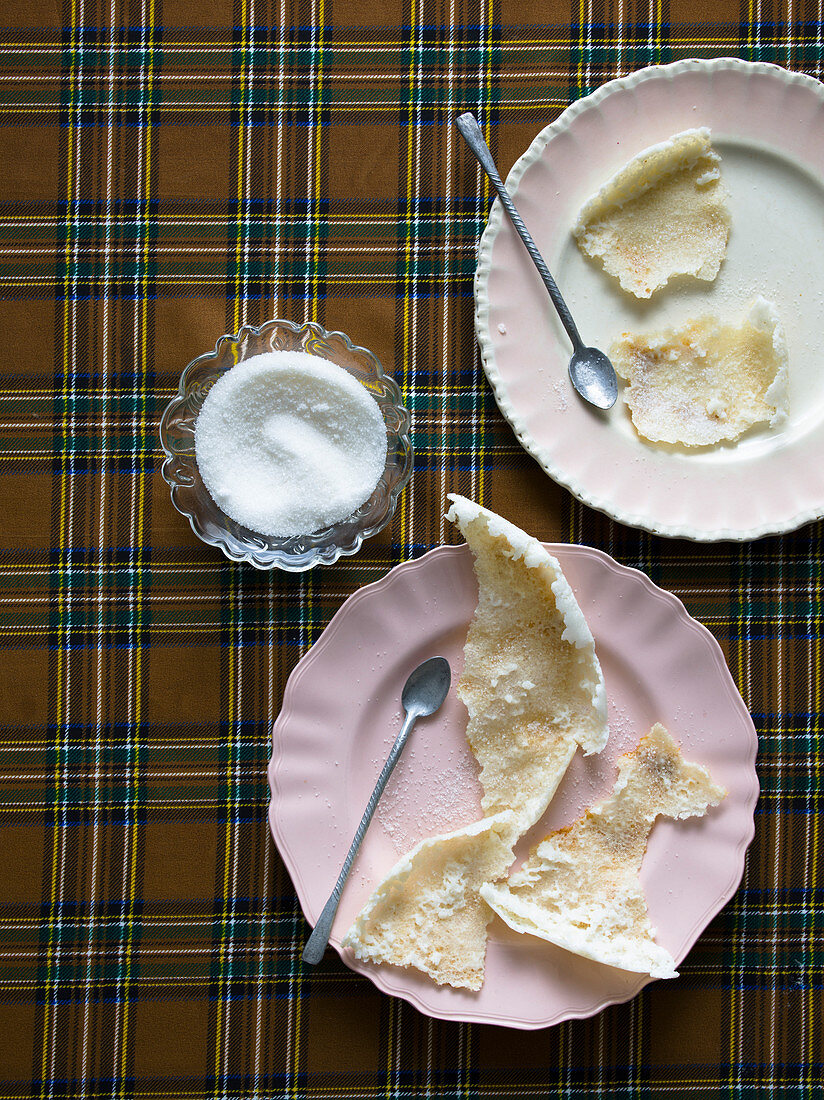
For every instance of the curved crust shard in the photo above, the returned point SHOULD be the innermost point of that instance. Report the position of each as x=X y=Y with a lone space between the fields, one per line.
x=663 y=214
x=532 y=682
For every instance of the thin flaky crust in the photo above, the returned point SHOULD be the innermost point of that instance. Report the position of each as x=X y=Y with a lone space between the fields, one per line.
x=706 y=382
x=427 y=912
x=663 y=214
x=580 y=888
x=532 y=682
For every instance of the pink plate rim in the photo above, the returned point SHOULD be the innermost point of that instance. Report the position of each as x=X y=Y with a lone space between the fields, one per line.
x=384 y=977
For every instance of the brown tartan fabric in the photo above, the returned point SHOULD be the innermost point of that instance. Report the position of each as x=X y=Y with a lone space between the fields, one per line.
x=170 y=170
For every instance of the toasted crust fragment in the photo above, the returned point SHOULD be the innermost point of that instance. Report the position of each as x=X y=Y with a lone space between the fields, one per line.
x=427 y=912
x=705 y=382
x=579 y=888
x=663 y=214
x=532 y=683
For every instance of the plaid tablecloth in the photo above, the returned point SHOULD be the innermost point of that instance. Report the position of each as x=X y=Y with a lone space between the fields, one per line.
x=172 y=169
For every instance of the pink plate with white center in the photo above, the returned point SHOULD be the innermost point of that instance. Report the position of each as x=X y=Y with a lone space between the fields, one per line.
x=341 y=711
x=767 y=124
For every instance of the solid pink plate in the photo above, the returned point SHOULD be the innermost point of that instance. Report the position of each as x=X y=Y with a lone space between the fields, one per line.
x=341 y=711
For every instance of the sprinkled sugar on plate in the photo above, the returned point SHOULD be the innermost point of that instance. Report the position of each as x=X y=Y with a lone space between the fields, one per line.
x=340 y=710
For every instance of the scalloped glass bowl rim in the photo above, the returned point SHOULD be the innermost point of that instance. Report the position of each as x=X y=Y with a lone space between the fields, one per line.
x=318 y=548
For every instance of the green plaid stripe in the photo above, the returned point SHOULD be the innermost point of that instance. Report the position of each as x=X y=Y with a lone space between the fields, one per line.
x=171 y=171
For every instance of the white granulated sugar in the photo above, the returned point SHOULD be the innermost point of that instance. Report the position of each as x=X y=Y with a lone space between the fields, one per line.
x=425 y=797
x=623 y=727
x=562 y=404
x=288 y=443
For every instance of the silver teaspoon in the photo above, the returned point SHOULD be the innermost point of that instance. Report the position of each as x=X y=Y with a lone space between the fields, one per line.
x=590 y=371
x=423 y=693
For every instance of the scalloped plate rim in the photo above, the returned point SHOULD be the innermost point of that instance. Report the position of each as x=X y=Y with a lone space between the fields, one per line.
x=382 y=976
x=482 y=304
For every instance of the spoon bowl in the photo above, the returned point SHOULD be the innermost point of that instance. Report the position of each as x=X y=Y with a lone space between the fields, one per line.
x=426 y=687
x=593 y=375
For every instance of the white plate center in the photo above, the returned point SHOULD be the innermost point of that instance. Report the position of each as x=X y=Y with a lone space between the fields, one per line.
x=776 y=249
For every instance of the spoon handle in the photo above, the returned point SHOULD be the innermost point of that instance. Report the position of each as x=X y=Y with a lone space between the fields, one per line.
x=471 y=133
x=316 y=944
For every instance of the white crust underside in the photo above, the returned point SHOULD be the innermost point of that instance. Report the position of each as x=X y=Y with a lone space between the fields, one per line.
x=622 y=953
